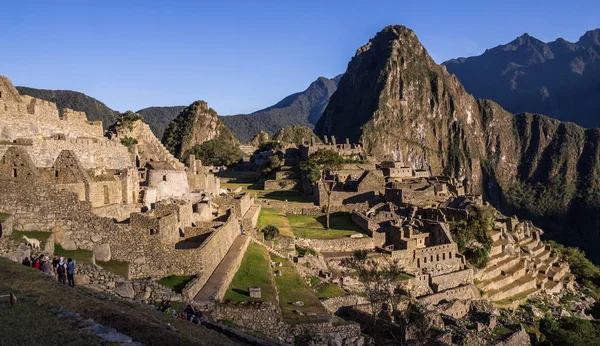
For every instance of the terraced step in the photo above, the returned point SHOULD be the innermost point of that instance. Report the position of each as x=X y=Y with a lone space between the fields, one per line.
x=493 y=260
x=495 y=235
x=509 y=276
x=552 y=286
x=518 y=298
x=538 y=249
x=495 y=270
x=498 y=246
x=543 y=256
x=528 y=242
x=515 y=288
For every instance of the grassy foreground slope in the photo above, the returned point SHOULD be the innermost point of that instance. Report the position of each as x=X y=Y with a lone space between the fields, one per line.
x=39 y=297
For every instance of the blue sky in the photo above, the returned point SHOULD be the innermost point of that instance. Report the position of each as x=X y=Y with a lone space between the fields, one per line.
x=241 y=56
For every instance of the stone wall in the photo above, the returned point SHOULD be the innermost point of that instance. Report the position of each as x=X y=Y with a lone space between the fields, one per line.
x=92 y=152
x=461 y=292
x=250 y=220
x=283 y=184
x=334 y=304
x=147 y=291
x=337 y=245
x=454 y=279
x=438 y=259
x=105 y=192
x=210 y=254
x=265 y=319
x=235 y=265
x=169 y=183
x=26 y=116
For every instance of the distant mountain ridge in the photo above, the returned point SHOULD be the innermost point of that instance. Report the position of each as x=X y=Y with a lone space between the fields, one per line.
x=302 y=108
x=559 y=78
x=158 y=118
x=77 y=101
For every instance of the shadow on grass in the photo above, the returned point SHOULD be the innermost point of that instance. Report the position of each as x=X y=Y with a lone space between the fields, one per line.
x=290 y=196
x=175 y=282
x=240 y=291
x=341 y=221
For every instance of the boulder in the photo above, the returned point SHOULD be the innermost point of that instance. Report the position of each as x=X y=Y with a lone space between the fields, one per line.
x=357 y=236
x=102 y=252
x=125 y=290
x=298 y=303
x=19 y=254
x=68 y=244
x=81 y=279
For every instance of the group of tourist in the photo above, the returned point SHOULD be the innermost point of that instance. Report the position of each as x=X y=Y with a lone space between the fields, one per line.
x=188 y=314
x=62 y=270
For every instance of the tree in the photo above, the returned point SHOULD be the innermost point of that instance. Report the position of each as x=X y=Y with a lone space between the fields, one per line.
x=271 y=164
x=270 y=232
x=380 y=280
x=319 y=165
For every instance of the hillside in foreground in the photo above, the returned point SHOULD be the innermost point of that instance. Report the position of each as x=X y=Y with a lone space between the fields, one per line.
x=49 y=307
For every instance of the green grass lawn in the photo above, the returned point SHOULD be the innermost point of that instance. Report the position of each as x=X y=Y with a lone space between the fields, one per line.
x=115 y=267
x=41 y=236
x=290 y=196
x=255 y=270
x=292 y=287
x=80 y=256
x=330 y=290
x=176 y=282
x=313 y=227
x=275 y=217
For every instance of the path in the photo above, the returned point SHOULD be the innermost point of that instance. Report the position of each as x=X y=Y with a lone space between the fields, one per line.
x=215 y=281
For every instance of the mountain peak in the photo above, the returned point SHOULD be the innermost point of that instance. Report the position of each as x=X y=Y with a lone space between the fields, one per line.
x=590 y=38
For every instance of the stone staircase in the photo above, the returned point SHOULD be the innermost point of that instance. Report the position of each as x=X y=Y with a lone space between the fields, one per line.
x=519 y=268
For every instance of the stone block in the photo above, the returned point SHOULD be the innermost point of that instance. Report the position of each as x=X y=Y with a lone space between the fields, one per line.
x=125 y=290
x=81 y=280
x=68 y=244
x=96 y=238
x=102 y=252
x=255 y=291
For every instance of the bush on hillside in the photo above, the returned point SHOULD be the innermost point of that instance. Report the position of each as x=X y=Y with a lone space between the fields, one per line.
x=270 y=232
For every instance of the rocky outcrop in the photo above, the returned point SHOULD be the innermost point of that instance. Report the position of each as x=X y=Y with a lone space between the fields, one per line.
x=403 y=106
x=295 y=134
x=195 y=125
x=260 y=138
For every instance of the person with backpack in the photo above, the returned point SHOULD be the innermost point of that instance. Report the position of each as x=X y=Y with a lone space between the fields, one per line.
x=71 y=272
x=61 y=271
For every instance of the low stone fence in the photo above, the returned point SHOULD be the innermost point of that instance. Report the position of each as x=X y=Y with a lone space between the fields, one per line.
x=334 y=304
x=146 y=290
x=263 y=318
x=337 y=245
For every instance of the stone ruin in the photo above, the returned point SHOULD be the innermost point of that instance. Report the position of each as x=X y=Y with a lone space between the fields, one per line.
x=58 y=173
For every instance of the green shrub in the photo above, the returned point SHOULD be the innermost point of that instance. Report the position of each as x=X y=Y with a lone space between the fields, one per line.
x=129 y=141
x=270 y=232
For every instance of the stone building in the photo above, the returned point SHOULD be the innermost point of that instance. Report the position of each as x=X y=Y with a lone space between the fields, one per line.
x=167 y=180
x=368 y=187
x=201 y=178
x=346 y=149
